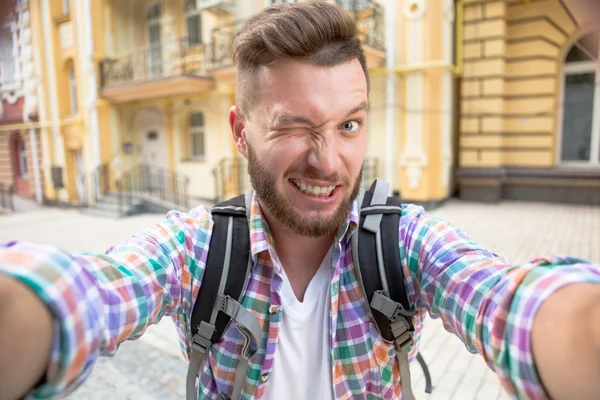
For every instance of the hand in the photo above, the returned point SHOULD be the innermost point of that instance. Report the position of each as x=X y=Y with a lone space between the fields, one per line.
x=25 y=339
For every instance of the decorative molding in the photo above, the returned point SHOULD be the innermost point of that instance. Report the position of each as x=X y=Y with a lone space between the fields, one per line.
x=30 y=105
x=11 y=96
x=414 y=9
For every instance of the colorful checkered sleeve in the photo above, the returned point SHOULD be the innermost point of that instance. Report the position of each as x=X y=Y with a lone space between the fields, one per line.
x=100 y=300
x=486 y=301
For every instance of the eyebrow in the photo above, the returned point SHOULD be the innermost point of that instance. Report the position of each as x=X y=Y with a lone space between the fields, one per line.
x=284 y=119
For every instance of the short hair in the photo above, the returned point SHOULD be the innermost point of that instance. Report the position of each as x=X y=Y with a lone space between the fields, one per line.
x=317 y=33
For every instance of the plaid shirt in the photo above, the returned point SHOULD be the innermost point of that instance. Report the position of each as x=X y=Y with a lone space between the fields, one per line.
x=100 y=300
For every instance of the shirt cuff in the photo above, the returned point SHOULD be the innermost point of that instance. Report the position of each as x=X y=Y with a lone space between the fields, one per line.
x=546 y=276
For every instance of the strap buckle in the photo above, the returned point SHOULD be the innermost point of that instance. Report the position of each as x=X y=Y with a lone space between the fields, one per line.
x=391 y=309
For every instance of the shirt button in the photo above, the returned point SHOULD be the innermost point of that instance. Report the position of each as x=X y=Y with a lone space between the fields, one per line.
x=273 y=309
x=264 y=377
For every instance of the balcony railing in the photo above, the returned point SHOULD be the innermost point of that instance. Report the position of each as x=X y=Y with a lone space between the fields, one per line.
x=221 y=51
x=165 y=59
x=368 y=16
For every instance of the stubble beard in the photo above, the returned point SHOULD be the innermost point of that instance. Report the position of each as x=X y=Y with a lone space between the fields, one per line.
x=280 y=208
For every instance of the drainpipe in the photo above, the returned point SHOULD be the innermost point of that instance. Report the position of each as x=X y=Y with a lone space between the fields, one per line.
x=390 y=95
x=36 y=170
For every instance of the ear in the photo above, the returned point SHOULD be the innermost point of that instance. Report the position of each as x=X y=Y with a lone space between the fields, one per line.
x=238 y=125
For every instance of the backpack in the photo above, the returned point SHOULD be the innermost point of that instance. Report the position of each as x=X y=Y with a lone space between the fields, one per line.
x=377 y=265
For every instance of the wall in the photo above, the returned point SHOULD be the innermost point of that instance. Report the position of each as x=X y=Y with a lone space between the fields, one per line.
x=6 y=161
x=513 y=56
x=217 y=142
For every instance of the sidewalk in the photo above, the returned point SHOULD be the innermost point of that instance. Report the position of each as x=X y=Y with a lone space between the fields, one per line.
x=152 y=367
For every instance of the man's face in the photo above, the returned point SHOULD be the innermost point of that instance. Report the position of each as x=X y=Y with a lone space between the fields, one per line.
x=305 y=142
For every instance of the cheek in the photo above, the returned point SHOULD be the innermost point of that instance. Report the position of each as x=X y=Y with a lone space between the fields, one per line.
x=354 y=154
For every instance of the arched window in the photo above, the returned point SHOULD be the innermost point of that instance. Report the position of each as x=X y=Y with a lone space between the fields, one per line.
x=197 y=136
x=193 y=22
x=580 y=124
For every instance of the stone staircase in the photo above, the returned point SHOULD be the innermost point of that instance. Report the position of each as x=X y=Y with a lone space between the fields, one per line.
x=108 y=206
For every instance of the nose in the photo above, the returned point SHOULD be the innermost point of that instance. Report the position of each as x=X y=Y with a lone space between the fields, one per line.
x=324 y=155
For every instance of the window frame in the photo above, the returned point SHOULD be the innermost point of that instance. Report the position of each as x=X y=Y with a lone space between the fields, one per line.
x=23 y=172
x=194 y=131
x=577 y=68
x=73 y=90
x=195 y=13
x=66 y=7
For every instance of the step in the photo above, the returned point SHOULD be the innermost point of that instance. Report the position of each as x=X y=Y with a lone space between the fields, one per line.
x=108 y=205
x=114 y=198
x=98 y=212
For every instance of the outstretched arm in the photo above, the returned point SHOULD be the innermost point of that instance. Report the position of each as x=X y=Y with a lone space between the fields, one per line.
x=528 y=321
x=95 y=301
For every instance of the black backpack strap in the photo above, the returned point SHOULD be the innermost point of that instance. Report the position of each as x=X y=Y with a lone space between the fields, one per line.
x=226 y=274
x=380 y=273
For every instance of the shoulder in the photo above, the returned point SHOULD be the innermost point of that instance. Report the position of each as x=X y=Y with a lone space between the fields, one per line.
x=181 y=228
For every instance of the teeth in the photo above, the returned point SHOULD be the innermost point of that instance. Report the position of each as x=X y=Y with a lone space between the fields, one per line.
x=314 y=190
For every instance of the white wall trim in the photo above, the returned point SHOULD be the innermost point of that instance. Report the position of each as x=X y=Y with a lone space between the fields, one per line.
x=413 y=158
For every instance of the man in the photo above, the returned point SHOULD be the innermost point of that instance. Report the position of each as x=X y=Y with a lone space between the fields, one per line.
x=300 y=121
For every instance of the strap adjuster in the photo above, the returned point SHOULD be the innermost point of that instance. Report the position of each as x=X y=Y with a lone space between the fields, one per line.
x=403 y=336
x=203 y=337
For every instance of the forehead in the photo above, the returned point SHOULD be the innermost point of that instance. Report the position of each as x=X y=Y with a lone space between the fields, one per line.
x=317 y=91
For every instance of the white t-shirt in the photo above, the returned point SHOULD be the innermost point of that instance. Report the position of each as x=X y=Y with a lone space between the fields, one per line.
x=302 y=365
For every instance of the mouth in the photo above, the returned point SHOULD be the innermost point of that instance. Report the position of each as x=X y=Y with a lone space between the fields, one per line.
x=313 y=190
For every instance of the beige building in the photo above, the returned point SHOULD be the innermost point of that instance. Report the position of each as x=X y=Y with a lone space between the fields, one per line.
x=486 y=98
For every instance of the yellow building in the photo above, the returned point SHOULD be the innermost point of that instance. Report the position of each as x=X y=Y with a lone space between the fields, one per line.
x=529 y=110
x=472 y=95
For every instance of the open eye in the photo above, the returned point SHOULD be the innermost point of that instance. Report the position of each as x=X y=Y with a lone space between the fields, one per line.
x=350 y=126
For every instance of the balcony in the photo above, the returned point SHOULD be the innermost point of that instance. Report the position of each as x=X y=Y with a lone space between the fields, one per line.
x=369 y=18
x=172 y=67
x=169 y=68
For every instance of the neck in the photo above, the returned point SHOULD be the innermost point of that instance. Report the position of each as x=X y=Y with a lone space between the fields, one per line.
x=300 y=256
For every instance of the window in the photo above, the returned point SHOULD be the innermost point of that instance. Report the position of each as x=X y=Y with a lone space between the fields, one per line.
x=197 y=136
x=153 y=21
x=7 y=60
x=73 y=90
x=580 y=125
x=19 y=151
x=66 y=7
x=193 y=23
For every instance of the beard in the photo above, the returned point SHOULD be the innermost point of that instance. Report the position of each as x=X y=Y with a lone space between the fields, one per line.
x=280 y=208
